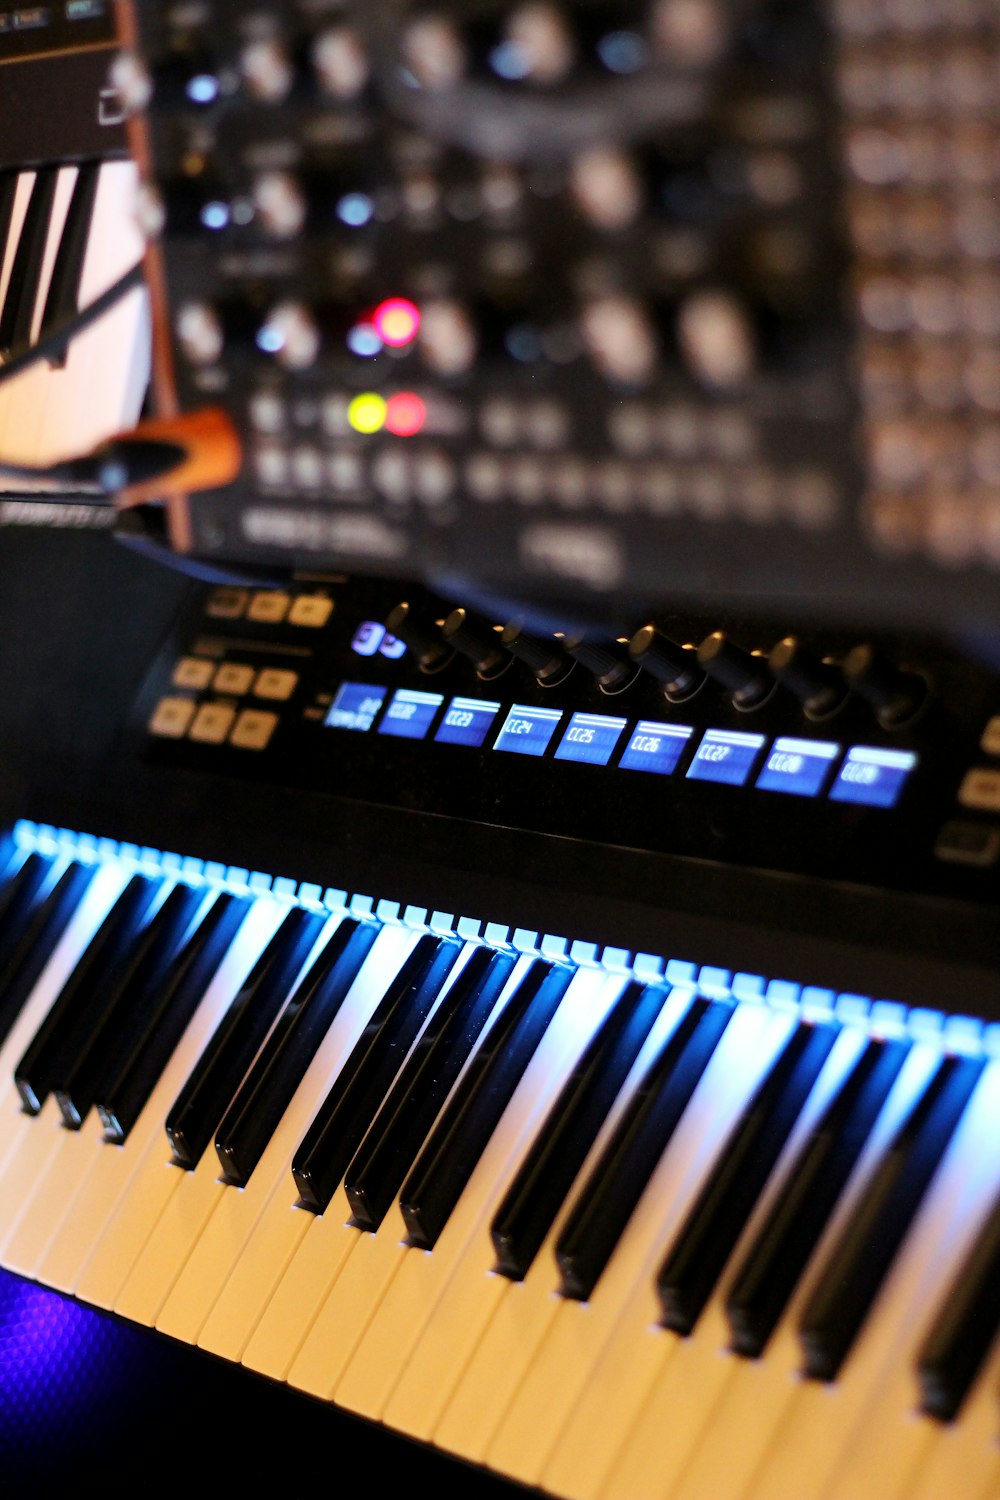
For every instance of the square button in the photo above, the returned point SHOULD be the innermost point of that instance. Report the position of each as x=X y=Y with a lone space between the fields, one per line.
x=234 y=678
x=990 y=741
x=253 y=729
x=312 y=610
x=981 y=788
x=212 y=723
x=276 y=684
x=193 y=672
x=968 y=844
x=227 y=604
x=269 y=609
x=171 y=718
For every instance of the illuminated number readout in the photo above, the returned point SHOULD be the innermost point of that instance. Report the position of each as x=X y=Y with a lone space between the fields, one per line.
x=467 y=722
x=798 y=766
x=873 y=777
x=725 y=755
x=527 y=731
x=655 y=747
x=355 y=706
x=410 y=714
x=590 y=738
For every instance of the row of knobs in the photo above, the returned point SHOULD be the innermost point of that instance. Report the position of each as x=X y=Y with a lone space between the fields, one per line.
x=822 y=686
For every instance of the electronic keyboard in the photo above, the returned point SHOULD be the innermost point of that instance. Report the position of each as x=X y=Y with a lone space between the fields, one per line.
x=68 y=230
x=411 y=1067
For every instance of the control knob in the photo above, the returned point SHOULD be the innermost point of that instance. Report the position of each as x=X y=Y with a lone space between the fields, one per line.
x=743 y=675
x=895 y=694
x=420 y=636
x=476 y=640
x=608 y=661
x=817 y=684
x=674 y=667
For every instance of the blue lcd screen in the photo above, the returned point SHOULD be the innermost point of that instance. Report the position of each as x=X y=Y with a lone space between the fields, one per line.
x=873 y=776
x=725 y=755
x=655 y=747
x=798 y=766
x=467 y=722
x=355 y=706
x=527 y=731
x=410 y=713
x=590 y=738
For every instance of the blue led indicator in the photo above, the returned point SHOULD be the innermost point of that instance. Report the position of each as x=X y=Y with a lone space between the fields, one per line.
x=655 y=747
x=527 y=731
x=355 y=706
x=392 y=647
x=873 y=776
x=410 y=713
x=590 y=738
x=798 y=766
x=368 y=637
x=725 y=755
x=467 y=722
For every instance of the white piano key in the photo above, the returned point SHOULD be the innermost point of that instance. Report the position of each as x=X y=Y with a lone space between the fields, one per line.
x=809 y=1438
x=294 y=1255
x=151 y=1280
x=24 y=1151
x=104 y=1185
x=696 y=1377
x=50 y=413
x=377 y=1378
x=219 y=1248
x=155 y=1179
x=639 y=1351
x=438 y=1359
x=308 y=1257
x=969 y=1447
x=886 y=1444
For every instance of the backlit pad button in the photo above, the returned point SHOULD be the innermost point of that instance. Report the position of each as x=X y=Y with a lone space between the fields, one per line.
x=269 y=608
x=981 y=788
x=212 y=723
x=990 y=741
x=276 y=684
x=312 y=610
x=252 y=731
x=171 y=718
x=227 y=604
x=233 y=678
x=963 y=843
x=193 y=672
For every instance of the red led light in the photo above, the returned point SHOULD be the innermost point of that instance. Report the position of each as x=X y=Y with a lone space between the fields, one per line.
x=405 y=414
x=396 y=321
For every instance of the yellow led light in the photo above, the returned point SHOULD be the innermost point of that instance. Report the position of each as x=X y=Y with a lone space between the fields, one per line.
x=367 y=412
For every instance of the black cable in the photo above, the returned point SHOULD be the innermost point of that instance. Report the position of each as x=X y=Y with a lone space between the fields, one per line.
x=54 y=342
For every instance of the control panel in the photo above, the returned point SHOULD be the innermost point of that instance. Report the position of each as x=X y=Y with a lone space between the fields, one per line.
x=872 y=760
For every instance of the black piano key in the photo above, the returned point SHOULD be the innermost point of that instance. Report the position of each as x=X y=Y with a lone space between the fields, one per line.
x=194 y=1117
x=557 y=1154
x=461 y=1135
x=694 y=1263
x=65 y=1031
x=361 y=1087
x=609 y=1196
x=123 y=991
x=169 y=1002
x=62 y=299
x=24 y=284
x=388 y=1151
x=959 y=1340
x=8 y=192
x=24 y=881
x=764 y=1283
x=267 y=1090
x=44 y=924
x=860 y=1261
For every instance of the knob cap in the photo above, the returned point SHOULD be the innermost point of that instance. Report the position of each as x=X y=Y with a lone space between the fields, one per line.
x=476 y=640
x=817 y=684
x=421 y=636
x=609 y=662
x=895 y=694
x=673 y=666
x=546 y=659
x=743 y=675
